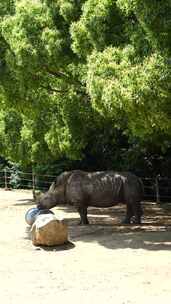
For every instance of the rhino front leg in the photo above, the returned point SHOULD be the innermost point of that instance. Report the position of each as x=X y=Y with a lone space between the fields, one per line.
x=137 y=213
x=83 y=215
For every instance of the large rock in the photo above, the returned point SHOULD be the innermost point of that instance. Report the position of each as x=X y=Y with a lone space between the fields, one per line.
x=47 y=230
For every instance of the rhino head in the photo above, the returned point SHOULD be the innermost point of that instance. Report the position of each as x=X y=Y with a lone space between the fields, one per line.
x=50 y=199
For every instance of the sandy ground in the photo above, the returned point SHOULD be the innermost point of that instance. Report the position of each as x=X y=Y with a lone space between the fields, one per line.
x=104 y=262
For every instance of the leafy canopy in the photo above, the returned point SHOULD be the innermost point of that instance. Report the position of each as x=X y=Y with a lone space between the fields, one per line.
x=72 y=70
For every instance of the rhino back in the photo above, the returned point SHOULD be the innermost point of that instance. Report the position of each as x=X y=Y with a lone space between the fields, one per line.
x=99 y=189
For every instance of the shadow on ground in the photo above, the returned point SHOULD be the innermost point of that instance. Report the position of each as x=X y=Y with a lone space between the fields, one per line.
x=67 y=246
x=114 y=238
x=25 y=202
x=106 y=230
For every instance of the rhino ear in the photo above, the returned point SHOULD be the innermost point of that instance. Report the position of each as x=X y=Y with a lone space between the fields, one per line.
x=52 y=187
x=37 y=195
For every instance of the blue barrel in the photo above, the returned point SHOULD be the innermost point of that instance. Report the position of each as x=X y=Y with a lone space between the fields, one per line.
x=32 y=214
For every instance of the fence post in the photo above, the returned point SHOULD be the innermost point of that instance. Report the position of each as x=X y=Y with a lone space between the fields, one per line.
x=33 y=185
x=157 y=189
x=5 y=179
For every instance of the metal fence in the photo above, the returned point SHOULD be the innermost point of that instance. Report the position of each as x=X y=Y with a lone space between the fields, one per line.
x=156 y=189
x=25 y=180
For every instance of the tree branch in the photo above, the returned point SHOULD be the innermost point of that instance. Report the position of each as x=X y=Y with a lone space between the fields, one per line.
x=59 y=74
x=49 y=88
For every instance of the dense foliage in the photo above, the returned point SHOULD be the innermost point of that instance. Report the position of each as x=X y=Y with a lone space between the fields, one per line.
x=87 y=81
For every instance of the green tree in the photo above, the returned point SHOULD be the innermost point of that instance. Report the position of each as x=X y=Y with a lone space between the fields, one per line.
x=84 y=78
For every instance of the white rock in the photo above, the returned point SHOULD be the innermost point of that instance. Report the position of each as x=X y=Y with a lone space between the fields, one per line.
x=47 y=230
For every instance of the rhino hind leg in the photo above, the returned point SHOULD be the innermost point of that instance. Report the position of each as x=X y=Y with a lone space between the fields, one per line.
x=129 y=214
x=83 y=215
x=137 y=213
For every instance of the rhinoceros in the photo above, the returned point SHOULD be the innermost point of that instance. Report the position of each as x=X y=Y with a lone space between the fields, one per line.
x=97 y=189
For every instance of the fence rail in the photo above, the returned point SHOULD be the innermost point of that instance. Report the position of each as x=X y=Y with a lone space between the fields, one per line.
x=25 y=180
x=158 y=188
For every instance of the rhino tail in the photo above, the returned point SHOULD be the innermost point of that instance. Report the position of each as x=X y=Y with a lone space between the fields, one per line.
x=141 y=186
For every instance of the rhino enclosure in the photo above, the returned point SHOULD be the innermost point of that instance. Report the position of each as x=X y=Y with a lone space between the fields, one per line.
x=155 y=189
x=104 y=262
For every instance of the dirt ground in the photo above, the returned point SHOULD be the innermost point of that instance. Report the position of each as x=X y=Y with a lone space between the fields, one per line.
x=104 y=262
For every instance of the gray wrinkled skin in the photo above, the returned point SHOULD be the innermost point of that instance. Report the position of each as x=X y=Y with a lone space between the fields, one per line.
x=97 y=189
